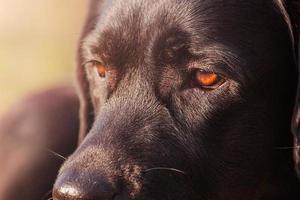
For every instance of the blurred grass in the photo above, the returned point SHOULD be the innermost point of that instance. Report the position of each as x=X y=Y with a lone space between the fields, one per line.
x=37 y=45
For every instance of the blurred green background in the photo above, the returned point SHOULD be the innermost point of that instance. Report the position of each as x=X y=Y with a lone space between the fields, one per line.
x=38 y=40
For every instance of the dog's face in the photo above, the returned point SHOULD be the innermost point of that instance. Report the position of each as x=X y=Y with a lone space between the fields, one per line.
x=185 y=100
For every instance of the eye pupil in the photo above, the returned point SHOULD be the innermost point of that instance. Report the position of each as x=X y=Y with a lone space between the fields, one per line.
x=101 y=70
x=207 y=79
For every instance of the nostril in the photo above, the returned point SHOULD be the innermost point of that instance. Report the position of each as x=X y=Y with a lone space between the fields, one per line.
x=70 y=187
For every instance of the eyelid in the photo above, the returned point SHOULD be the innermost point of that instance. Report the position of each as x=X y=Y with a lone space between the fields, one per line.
x=219 y=68
x=92 y=62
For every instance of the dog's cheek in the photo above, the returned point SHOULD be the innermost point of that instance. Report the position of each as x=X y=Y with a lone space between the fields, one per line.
x=223 y=133
x=195 y=108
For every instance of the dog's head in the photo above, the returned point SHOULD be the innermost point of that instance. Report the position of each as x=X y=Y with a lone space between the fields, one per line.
x=185 y=100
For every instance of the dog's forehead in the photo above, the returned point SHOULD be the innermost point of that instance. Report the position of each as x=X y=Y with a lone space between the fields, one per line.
x=124 y=29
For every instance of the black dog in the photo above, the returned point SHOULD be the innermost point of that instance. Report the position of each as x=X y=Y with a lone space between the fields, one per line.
x=185 y=100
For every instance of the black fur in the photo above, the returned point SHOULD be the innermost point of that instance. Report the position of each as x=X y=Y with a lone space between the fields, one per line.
x=149 y=132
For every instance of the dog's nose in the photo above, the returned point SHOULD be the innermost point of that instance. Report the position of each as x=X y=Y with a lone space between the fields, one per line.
x=91 y=187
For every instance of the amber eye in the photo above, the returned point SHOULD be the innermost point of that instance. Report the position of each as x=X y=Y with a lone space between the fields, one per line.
x=101 y=69
x=208 y=79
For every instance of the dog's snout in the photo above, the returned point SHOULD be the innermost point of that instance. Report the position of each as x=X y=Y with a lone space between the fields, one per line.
x=79 y=187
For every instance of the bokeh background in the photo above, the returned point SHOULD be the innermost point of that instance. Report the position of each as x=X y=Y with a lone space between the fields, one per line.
x=38 y=41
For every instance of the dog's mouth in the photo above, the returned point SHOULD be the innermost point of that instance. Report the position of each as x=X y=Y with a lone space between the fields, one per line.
x=151 y=183
x=131 y=182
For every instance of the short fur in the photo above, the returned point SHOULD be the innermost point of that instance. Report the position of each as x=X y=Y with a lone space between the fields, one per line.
x=148 y=132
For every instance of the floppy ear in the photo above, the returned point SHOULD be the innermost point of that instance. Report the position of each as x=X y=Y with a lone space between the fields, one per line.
x=86 y=114
x=293 y=7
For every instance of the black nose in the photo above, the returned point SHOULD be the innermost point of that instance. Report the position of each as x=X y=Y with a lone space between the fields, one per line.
x=83 y=186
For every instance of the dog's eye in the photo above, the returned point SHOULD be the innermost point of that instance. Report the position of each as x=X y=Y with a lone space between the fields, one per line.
x=208 y=80
x=101 y=69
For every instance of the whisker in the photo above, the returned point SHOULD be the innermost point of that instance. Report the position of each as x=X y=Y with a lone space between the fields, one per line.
x=280 y=148
x=287 y=148
x=46 y=195
x=56 y=154
x=165 y=168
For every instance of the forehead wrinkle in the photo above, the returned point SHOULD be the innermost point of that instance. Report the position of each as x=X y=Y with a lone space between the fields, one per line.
x=149 y=17
x=240 y=14
x=141 y=28
x=188 y=15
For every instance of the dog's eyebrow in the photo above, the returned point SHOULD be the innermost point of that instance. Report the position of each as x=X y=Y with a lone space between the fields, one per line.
x=88 y=48
x=233 y=63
